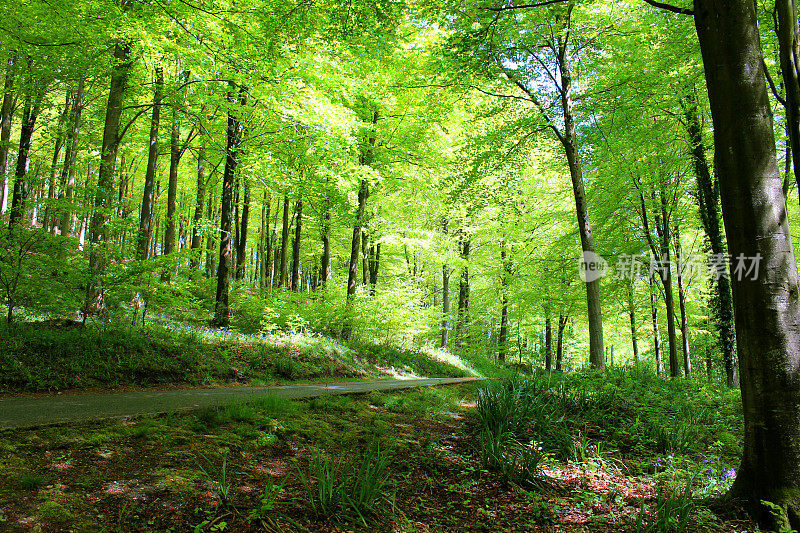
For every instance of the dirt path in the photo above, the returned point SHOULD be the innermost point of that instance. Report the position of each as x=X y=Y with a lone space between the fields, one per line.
x=47 y=410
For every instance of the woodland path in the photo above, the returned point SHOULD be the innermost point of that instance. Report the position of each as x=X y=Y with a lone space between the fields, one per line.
x=27 y=412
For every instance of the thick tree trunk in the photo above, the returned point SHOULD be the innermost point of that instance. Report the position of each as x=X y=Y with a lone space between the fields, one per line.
x=199 y=205
x=6 y=116
x=284 y=242
x=105 y=176
x=767 y=305
x=30 y=113
x=145 y=238
x=687 y=361
x=241 y=244
x=298 y=209
x=569 y=140
x=708 y=197
x=656 y=334
x=67 y=223
x=234 y=136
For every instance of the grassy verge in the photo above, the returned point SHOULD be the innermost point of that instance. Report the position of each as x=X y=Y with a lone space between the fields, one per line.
x=48 y=356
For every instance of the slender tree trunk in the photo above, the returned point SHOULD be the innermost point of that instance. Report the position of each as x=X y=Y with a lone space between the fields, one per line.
x=789 y=53
x=632 y=315
x=234 y=137
x=6 y=116
x=548 y=340
x=364 y=259
x=284 y=242
x=241 y=251
x=767 y=305
x=105 y=176
x=210 y=242
x=296 y=244
x=687 y=361
x=67 y=223
x=708 y=198
x=656 y=334
x=175 y=154
x=374 y=264
x=21 y=185
x=445 y=330
x=52 y=188
x=569 y=141
x=665 y=273
x=199 y=205
x=504 y=281
x=463 y=294
x=562 y=324
x=145 y=238
x=326 y=247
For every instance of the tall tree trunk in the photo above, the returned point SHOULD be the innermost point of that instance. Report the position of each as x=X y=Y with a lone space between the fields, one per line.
x=504 y=281
x=767 y=306
x=445 y=330
x=284 y=242
x=210 y=242
x=569 y=141
x=656 y=334
x=462 y=321
x=30 y=113
x=298 y=209
x=265 y=250
x=67 y=223
x=632 y=315
x=364 y=259
x=562 y=324
x=145 y=237
x=241 y=251
x=548 y=340
x=665 y=273
x=52 y=188
x=6 y=116
x=687 y=361
x=708 y=197
x=199 y=205
x=326 y=247
x=175 y=154
x=234 y=136
x=105 y=176
x=374 y=264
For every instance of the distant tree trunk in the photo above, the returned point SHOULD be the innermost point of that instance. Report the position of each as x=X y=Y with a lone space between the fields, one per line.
x=67 y=223
x=30 y=113
x=296 y=243
x=708 y=198
x=666 y=278
x=284 y=242
x=767 y=305
x=374 y=264
x=326 y=247
x=52 y=188
x=105 y=176
x=199 y=205
x=562 y=324
x=6 y=116
x=210 y=242
x=502 y=336
x=241 y=251
x=548 y=340
x=687 y=362
x=445 y=331
x=145 y=238
x=234 y=137
x=364 y=259
x=175 y=154
x=656 y=335
x=265 y=249
x=632 y=315
x=463 y=293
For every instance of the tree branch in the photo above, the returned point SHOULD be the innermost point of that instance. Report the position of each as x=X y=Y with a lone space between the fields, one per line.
x=525 y=6
x=669 y=7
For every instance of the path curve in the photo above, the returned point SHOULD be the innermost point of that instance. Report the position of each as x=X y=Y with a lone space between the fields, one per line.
x=58 y=409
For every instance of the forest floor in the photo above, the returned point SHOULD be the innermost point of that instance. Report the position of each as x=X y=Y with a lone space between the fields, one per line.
x=269 y=464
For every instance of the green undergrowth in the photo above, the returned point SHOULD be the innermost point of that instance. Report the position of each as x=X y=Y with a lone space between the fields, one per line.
x=58 y=355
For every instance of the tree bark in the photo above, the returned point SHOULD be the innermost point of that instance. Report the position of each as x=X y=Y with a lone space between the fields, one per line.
x=326 y=247
x=462 y=321
x=175 y=154
x=767 y=308
x=234 y=137
x=708 y=198
x=52 y=187
x=787 y=33
x=6 y=117
x=145 y=238
x=632 y=316
x=548 y=340
x=562 y=324
x=445 y=330
x=656 y=334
